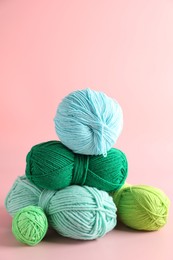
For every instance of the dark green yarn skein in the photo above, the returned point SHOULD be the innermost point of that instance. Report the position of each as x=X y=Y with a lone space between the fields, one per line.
x=51 y=165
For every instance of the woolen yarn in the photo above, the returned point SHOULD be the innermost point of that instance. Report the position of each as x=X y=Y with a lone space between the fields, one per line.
x=142 y=207
x=88 y=122
x=30 y=225
x=84 y=213
x=53 y=166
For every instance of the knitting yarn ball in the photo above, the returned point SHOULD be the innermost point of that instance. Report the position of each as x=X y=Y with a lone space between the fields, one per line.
x=53 y=166
x=77 y=212
x=22 y=194
x=88 y=122
x=30 y=225
x=142 y=207
x=82 y=212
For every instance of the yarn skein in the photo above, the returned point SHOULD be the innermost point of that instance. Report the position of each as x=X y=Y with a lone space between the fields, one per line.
x=142 y=207
x=29 y=225
x=88 y=122
x=84 y=213
x=53 y=166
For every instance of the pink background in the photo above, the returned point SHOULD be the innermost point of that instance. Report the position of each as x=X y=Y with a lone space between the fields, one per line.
x=123 y=48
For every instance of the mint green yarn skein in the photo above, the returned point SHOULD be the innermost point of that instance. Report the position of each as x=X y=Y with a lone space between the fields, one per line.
x=51 y=165
x=29 y=225
x=77 y=212
x=142 y=207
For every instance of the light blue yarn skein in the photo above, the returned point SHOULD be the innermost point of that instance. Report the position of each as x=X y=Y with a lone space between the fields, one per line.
x=78 y=212
x=88 y=122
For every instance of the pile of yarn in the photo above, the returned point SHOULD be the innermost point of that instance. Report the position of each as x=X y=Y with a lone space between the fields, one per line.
x=77 y=185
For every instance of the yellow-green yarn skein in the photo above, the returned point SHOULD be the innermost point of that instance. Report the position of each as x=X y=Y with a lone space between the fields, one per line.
x=142 y=207
x=30 y=225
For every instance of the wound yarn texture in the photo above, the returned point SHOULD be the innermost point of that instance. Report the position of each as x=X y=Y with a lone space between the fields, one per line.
x=30 y=225
x=84 y=213
x=66 y=182
x=53 y=166
x=142 y=207
x=88 y=122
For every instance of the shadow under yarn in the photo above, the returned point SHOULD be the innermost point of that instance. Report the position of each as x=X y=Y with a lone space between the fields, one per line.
x=53 y=237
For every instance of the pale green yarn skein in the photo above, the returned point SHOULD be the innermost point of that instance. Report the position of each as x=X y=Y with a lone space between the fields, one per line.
x=142 y=207
x=84 y=213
